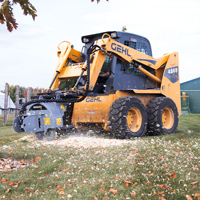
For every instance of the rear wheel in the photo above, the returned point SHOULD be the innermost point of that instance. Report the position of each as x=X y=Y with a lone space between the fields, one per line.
x=162 y=116
x=128 y=118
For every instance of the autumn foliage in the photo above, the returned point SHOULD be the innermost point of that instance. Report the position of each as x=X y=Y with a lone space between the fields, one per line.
x=6 y=12
x=7 y=16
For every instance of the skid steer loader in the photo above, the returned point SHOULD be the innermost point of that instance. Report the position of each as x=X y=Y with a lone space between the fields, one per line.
x=140 y=95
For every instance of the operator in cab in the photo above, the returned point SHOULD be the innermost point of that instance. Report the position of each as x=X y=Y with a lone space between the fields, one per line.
x=104 y=75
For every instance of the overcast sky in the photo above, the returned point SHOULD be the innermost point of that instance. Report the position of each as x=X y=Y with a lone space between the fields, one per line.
x=28 y=55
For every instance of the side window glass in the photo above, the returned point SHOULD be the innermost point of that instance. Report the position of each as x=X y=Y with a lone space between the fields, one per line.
x=139 y=46
x=104 y=68
x=127 y=68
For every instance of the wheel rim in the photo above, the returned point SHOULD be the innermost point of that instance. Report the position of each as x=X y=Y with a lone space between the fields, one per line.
x=167 y=118
x=134 y=119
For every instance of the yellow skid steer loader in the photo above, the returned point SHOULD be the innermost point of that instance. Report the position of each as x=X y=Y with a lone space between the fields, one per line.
x=120 y=88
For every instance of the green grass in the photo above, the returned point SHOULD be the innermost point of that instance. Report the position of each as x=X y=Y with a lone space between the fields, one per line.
x=9 y=120
x=7 y=134
x=156 y=167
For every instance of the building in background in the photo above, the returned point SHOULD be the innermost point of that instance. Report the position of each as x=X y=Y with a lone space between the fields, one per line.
x=11 y=105
x=192 y=93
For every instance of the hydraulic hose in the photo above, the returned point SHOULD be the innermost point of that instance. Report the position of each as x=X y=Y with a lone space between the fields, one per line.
x=89 y=52
x=23 y=108
x=87 y=79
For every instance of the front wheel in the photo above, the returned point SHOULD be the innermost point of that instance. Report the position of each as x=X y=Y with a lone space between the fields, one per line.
x=48 y=135
x=162 y=116
x=39 y=135
x=128 y=118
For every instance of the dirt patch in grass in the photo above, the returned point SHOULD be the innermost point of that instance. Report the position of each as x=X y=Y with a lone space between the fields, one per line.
x=80 y=141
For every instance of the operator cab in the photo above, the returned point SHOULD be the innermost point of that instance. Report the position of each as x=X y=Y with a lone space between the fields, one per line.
x=123 y=75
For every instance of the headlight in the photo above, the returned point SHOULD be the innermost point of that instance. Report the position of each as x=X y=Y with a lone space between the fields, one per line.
x=113 y=35
x=85 y=40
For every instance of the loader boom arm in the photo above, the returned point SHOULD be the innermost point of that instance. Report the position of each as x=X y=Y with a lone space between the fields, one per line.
x=133 y=56
x=109 y=45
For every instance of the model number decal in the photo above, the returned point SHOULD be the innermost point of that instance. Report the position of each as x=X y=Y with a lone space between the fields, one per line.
x=93 y=99
x=172 y=74
x=172 y=70
x=120 y=49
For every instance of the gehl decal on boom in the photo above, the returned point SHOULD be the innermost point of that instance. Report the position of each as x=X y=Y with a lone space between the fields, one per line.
x=120 y=49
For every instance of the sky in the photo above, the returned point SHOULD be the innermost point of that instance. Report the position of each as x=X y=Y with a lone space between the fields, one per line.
x=28 y=55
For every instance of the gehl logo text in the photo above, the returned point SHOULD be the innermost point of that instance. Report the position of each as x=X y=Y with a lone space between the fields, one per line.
x=93 y=99
x=120 y=49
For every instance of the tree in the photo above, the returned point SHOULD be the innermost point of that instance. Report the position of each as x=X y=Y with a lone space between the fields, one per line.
x=67 y=84
x=12 y=91
x=7 y=16
x=6 y=12
x=124 y=29
x=22 y=91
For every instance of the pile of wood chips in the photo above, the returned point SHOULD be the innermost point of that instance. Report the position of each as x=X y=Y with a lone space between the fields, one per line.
x=7 y=164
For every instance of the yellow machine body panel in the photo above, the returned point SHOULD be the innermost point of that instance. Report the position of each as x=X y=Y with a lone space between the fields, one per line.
x=72 y=71
x=170 y=85
x=95 y=109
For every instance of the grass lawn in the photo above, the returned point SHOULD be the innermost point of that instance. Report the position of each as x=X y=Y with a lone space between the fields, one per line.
x=158 y=167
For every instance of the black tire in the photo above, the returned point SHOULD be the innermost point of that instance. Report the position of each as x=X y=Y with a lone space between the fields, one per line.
x=39 y=135
x=127 y=118
x=67 y=132
x=162 y=116
x=48 y=135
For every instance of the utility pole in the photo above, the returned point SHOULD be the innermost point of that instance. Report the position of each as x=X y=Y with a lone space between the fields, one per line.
x=17 y=101
x=29 y=93
x=6 y=104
